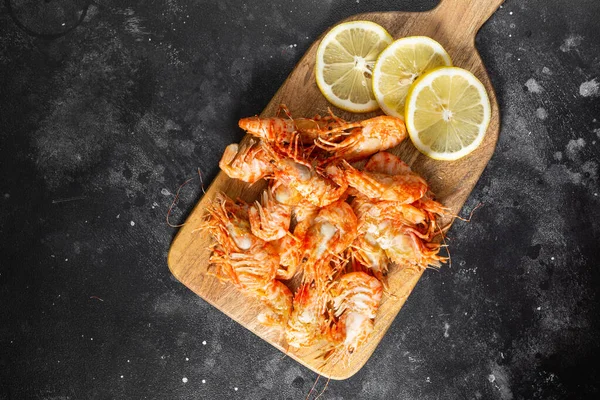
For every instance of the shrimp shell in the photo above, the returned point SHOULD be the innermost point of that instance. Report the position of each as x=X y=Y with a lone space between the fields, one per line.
x=356 y=297
x=404 y=188
x=269 y=219
x=333 y=230
x=371 y=136
x=247 y=162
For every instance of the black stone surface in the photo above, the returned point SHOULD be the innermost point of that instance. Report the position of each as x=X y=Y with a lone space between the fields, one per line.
x=106 y=107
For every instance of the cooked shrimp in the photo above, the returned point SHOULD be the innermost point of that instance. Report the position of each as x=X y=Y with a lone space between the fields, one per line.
x=307 y=320
x=278 y=298
x=356 y=297
x=289 y=248
x=227 y=222
x=404 y=188
x=386 y=163
x=247 y=162
x=366 y=252
x=401 y=231
x=245 y=260
x=318 y=189
x=366 y=138
x=249 y=261
x=269 y=219
x=333 y=230
x=404 y=246
x=286 y=130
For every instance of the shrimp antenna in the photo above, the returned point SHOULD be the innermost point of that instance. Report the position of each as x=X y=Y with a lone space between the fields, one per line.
x=313 y=386
x=445 y=244
x=470 y=215
x=175 y=202
x=324 y=388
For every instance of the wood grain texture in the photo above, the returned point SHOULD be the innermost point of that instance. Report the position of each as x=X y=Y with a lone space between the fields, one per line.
x=454 y=24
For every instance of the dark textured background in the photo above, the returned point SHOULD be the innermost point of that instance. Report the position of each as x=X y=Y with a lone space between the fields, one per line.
x=100 y=124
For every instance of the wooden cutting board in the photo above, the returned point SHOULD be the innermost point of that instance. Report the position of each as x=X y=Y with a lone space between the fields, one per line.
x=454 y=24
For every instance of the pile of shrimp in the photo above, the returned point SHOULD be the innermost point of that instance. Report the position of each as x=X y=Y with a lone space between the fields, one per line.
x=338 y=212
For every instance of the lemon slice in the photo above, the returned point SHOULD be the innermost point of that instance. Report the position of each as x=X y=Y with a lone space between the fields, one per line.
x=447 y=113
x=399 y=65
x=344 y=64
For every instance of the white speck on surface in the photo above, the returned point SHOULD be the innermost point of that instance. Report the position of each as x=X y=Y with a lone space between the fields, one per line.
x=541 y=113
x=66 y=259
x=446 y=328
x=118 y=216
x=428 y=380
x=235 y=388
x=570 y=43
x=184 y=379
x=510 y=13
x=589 y=88
x=539 y=308
x=574 y=147
x=187 y=359
x=91 y=338
x=203 y=380
x=533 y=86
x=121 y=376
x=552 y=258
x=546 y=71
x=127 y=360
x=204 y=343
x=132 y=223
x=165 y=192
x=501 y=380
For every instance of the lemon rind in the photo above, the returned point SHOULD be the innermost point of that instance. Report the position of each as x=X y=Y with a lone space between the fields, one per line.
x=426 y=80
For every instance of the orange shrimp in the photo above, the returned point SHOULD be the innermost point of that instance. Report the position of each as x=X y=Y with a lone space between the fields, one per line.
x=278 y=298
x=400 y=231
x=318 y=189
x=404 y=188
x=289 y=248
x=367 y=253
x=366 y=138
x=386 y=163
x=245 y=260
x=247 y=161
x=307 y=320
x=285 y=130
x=405 y=247
x=269 y=219
x=356 y=297
x=333 y=230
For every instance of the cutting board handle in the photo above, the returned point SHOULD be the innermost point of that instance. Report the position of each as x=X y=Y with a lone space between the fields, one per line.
x=465 y=15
